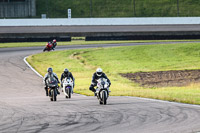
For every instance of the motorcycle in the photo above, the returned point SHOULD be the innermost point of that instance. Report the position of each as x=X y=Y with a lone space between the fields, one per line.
x=67 y=87
x=102 y=90
x=48 y=47
x=52 y=86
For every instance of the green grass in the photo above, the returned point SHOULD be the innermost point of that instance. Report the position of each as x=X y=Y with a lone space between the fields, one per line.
x=83 y=63
x=74 y=42
x=79 y=41
x=117 y=8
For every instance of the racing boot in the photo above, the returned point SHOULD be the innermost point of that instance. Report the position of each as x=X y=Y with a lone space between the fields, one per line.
x=93 y=90
x=58 y=92
x=46 y=91
x=61 y=84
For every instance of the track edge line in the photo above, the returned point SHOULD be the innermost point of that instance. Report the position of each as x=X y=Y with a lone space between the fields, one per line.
x=31 y=67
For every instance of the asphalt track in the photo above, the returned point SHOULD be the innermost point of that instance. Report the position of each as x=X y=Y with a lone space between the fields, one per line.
x=24 y=108
x=99 y=29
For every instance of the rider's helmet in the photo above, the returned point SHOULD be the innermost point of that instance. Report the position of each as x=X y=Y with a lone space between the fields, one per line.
x=50 y=70
x=54 y=40
x=66 y=71
x=99 y=72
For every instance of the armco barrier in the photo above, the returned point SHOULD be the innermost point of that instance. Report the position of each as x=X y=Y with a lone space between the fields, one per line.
x=100 y=21
x=99 y=35
x=33 y=38
x=159 y=35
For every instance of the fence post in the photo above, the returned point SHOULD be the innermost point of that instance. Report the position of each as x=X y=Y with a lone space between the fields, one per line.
x=47 y=8
x=134 y=7
x=90 y=8
x=178 y=8
x=4 y=8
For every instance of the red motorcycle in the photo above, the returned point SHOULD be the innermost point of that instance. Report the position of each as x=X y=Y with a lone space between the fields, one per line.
x=49 y=47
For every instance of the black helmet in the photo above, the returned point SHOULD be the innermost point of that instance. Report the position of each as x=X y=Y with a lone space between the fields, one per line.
x=50 y=70
x=66 y=71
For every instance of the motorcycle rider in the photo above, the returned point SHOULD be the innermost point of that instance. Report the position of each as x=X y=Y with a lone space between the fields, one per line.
x=98 y=74
x=54 y=43
x=49 y=46
x=47 y=75
x=67 y=74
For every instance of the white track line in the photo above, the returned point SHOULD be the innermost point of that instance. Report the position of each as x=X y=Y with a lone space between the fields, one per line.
x=162 y=101
x=32 y=67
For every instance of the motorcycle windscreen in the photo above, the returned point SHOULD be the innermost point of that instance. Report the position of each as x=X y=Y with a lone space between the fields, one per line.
x=52 y=80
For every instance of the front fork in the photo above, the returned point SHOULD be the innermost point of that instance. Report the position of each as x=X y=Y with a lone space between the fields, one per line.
x=99 y=93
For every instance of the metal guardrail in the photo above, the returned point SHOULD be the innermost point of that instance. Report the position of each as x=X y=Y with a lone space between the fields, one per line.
x=100 y=21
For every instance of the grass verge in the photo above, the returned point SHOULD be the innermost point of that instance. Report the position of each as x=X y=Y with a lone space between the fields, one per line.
x=83 y=63
x=79 y=41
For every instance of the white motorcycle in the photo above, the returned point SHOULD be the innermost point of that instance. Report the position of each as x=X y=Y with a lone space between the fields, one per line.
x=67 y=87
x=102 y=90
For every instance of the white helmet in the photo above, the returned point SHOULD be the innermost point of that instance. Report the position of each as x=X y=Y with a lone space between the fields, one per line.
x=99 y=72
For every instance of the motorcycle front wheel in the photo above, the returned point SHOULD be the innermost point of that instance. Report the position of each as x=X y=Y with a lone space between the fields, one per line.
x=53 y=95
x=104 y=97
x=68 y=91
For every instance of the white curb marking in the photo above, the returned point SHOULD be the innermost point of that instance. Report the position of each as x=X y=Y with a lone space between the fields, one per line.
x=32 y=67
